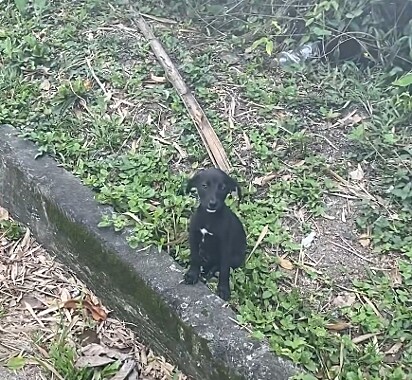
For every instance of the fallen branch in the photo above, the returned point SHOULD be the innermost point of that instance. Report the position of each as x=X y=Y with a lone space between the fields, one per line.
x=210 y=140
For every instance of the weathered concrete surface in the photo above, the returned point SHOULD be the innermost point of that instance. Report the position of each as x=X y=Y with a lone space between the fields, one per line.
x=187 y=324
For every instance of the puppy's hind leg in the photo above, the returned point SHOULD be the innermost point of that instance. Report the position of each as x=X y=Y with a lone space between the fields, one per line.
x=237 y=260
x=238 y=256
x=223 y=286
x=210 y=271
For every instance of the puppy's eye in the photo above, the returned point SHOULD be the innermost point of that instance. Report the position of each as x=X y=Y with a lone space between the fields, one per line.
x=204 y=185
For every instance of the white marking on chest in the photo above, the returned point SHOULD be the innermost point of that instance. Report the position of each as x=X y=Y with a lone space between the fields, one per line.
x=205 y=232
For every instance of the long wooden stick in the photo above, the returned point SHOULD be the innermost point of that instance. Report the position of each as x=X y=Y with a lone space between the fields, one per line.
x=210 y=140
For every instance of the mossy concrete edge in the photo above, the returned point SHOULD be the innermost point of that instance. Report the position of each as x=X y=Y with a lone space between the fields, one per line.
x=187 y=324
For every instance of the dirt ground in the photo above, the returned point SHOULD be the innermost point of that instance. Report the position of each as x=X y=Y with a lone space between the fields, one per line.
x=40 y=310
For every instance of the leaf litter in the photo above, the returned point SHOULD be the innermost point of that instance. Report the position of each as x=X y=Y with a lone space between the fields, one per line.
x=38 y=296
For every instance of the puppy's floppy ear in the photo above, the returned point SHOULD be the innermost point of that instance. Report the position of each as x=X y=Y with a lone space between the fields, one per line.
x=193 y=182
x=234 y=186
x=190 y=185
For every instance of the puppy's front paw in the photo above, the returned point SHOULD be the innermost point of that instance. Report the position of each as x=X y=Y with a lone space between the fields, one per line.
x=191 y=277
x=223 y=293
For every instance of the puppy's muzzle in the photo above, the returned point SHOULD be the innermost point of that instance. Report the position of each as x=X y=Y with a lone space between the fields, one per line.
x=211 y=207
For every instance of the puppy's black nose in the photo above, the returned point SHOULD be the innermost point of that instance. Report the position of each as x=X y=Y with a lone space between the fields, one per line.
x=212 y=204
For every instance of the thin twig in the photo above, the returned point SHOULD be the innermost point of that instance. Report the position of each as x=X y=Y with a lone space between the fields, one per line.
x=182 y=153
x=327 y=140
x=239 y=324
x=301 y=264
x=160 y=19
x=348 y=289
x=106 y=93
x=346 y=196
x=343 y=120
x=336 y=176
x=352 y=250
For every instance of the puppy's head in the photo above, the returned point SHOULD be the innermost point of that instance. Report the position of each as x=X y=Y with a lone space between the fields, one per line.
x=213 y=185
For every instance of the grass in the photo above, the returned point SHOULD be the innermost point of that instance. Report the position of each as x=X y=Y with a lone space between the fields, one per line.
x=62 y=357
x=59 y=356
x=10 y=229
x=125 y=140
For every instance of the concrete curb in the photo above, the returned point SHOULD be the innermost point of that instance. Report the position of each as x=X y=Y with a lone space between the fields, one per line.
x=187 y=324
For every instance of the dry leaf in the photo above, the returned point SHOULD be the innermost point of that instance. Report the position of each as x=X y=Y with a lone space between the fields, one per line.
x=116 y=354
x=394 y=349
x=135 y=144
x=97 y=312
x=298 y=164
x=72 y=304
x=34 y=302
x=45 y=85
x=156 y=79
x=88 y=84
x=350 y=119
x=357 y=174
x=90 y=297
x=261 y=181
x=94 y=349
x=4 y=214
x=355 y=119
x=285 y=264
x=134 y=375
x=229 y=57
x=181 y=151
x=286 y=177
x=339 y=326
x=65 y=295
x=344 y=300
x=373 y=307
x=143 y=357
x=308 y=240
x=231 y=123
x=364 y=240
x=93 y=361
x=362 y=338
x=391 y=216
x=14 y=272
x=259 y=240
x=132 y=216
x=248 y=146
x=125 y=370
x=343 y=215
x=26 y=239
x=88 y=336
x=392 y=359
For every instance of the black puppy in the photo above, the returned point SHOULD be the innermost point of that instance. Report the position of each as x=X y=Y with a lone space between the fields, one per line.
x=216 y=235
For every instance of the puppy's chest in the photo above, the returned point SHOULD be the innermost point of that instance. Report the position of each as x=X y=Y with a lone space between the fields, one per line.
x=206 y=235
x=208 y=244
